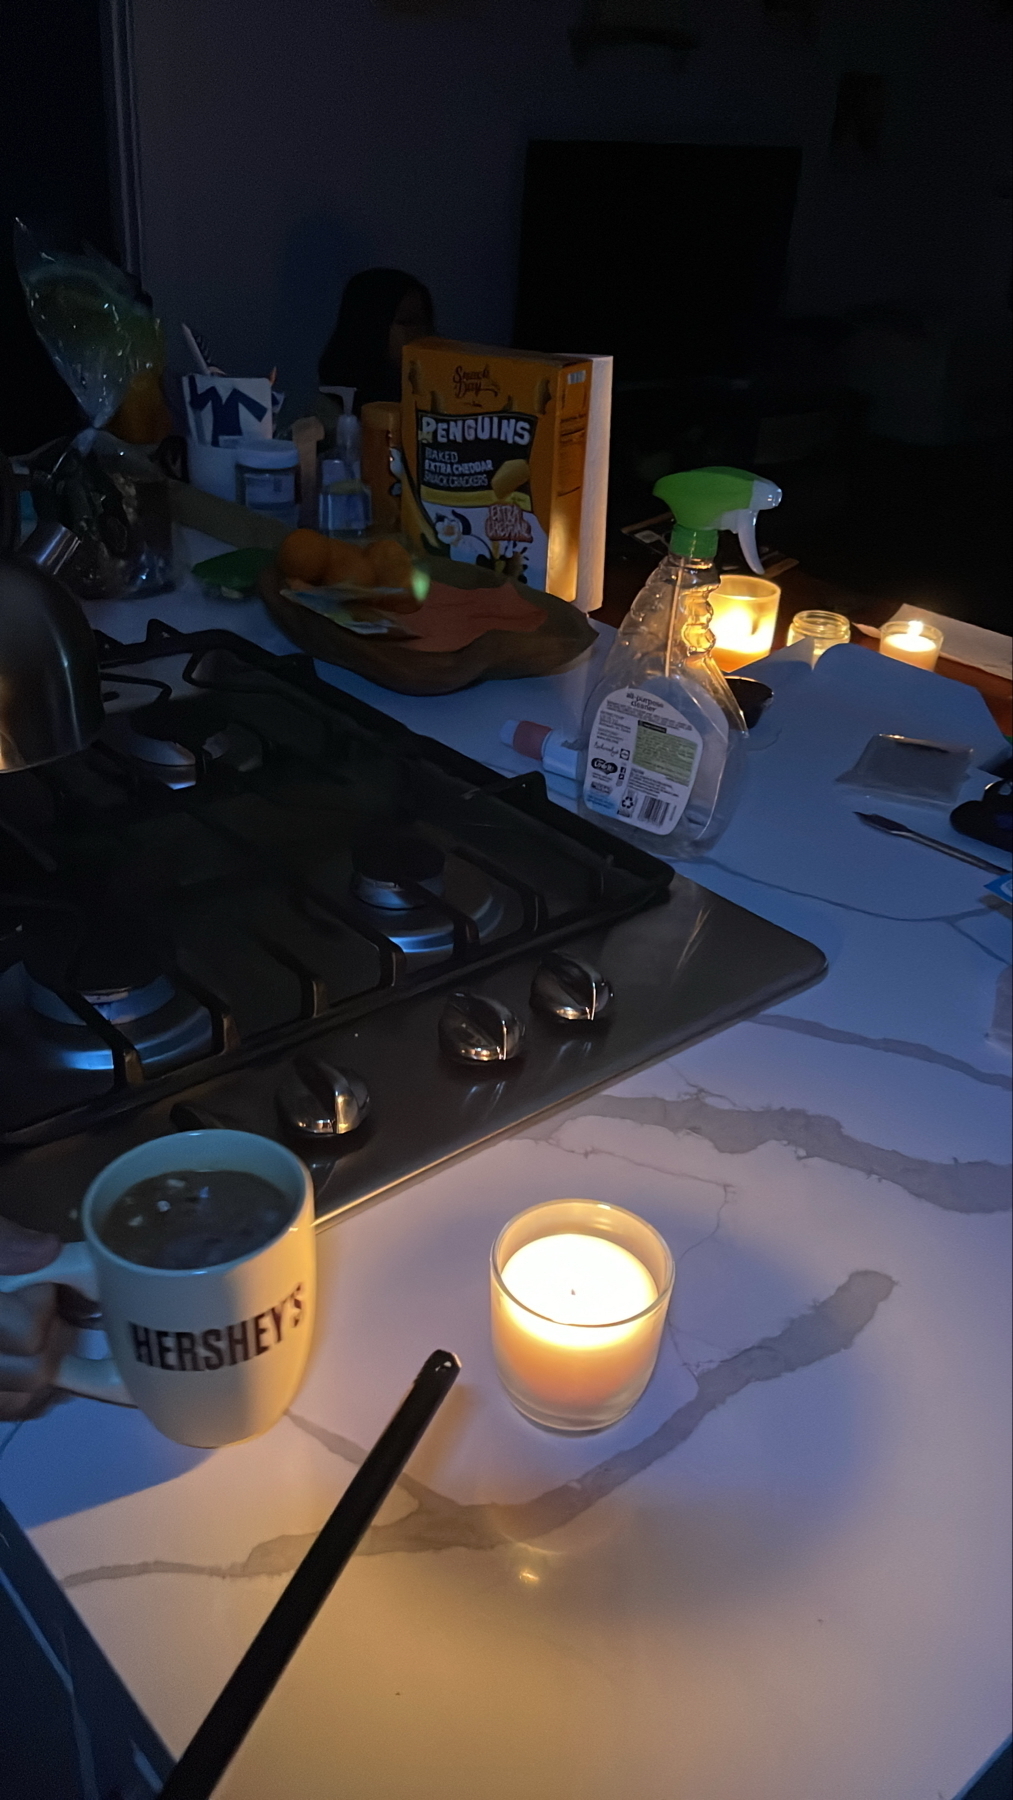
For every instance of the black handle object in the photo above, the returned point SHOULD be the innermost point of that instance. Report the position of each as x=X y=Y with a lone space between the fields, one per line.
x=217 y=1739
x=991 y=817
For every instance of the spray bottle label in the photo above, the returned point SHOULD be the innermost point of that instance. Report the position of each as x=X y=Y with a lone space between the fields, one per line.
x=642 y=759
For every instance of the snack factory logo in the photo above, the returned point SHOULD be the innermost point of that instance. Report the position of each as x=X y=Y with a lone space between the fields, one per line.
x=220 y=1346
x=474 y=384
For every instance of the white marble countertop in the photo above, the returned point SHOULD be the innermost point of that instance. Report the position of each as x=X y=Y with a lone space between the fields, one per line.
x=784 y=1576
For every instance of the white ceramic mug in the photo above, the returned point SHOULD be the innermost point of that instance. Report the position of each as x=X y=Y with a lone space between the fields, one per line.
x=211 y=1355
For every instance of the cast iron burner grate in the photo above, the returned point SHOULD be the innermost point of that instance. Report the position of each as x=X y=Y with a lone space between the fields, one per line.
x=247 y=857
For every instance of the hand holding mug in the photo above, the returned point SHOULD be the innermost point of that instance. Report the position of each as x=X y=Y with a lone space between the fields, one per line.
x=209 y=1314
x=29 y=1337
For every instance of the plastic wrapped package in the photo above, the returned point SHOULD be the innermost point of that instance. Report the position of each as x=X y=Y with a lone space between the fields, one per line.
x=103 y=339
x=93 y=320
x=911 y=768
x=116 y=500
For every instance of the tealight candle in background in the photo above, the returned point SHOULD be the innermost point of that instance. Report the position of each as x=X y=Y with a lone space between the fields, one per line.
x=745 y=614
x=911 y=641
x=579 y=1296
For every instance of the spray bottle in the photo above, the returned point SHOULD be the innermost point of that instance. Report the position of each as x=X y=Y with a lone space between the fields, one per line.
x=665 y=738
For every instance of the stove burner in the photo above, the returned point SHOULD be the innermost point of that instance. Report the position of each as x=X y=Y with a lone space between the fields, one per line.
x=423 y=901
x=174 y=742
x=166 y=1026
x=188 y=723
x=389 y=867
x=117 y=970
x=121 y=1006
x=103 y=953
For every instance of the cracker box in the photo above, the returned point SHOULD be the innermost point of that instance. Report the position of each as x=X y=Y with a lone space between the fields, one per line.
x=493 y=458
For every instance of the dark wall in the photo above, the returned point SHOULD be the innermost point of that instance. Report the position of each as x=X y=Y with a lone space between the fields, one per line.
x=53 y=171
x=284 y=147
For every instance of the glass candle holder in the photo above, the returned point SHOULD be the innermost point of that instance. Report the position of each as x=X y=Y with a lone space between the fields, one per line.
x=580 y=1291
x=911 y=641
x=822 y=629
x=745 y=614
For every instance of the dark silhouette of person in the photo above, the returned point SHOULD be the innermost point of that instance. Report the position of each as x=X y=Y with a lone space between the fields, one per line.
x=381 y=311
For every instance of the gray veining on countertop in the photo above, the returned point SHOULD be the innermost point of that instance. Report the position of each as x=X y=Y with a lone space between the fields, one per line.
x=440 y=1523
x=951 y=919
x=961 y=1187
x=778 y=1021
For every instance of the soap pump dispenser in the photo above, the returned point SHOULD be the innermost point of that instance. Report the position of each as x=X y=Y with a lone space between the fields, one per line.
x=664 y=739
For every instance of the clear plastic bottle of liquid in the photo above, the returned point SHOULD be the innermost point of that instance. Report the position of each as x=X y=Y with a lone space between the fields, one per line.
x=665 y=739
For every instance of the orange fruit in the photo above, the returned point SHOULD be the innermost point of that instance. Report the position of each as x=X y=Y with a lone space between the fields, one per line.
x=390 y=562
x=302 y=556
x=346 y=562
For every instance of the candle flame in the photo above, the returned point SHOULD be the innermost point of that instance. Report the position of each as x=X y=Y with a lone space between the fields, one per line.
x=735 y=627
x=569 y=1279
x=915 y=627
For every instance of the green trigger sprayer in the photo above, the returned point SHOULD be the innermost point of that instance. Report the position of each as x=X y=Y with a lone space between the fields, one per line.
x=706 y=501
x=665 y=740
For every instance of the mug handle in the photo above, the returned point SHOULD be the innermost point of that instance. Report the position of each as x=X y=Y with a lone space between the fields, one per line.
x=94 y=1378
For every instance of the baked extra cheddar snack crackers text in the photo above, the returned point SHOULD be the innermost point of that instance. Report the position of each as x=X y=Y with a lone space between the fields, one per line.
x=493 y=449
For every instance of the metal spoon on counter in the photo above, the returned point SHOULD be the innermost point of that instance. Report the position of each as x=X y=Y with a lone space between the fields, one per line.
x=880 y=823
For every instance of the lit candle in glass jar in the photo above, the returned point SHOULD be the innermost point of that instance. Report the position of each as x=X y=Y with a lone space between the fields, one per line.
x=912 y=641
x=579 y=1296
x=745 y=613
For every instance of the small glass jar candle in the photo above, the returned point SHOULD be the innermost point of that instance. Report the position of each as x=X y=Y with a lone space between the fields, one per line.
x=745 y=614
x=822 y=630
x=580 y=1291
x=911 y=641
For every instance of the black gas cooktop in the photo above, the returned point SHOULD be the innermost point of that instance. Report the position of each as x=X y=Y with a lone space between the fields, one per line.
x=251 y=880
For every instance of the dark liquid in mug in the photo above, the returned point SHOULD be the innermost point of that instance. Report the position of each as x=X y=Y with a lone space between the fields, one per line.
x=195 y=1218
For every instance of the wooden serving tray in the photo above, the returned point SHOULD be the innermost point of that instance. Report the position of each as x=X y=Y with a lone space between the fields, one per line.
x=496 y=656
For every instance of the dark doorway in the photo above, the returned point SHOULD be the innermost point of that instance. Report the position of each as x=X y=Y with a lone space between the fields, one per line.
x=54 y=172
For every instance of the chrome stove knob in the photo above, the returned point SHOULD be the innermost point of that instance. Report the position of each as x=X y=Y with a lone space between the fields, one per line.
x=569 y=990
x=475 y=1028
x=321 y=1102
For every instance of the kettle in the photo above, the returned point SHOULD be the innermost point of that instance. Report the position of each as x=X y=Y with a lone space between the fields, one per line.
x=50 y=689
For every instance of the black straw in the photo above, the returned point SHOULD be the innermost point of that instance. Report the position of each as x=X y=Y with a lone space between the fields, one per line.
x=217 y=1739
